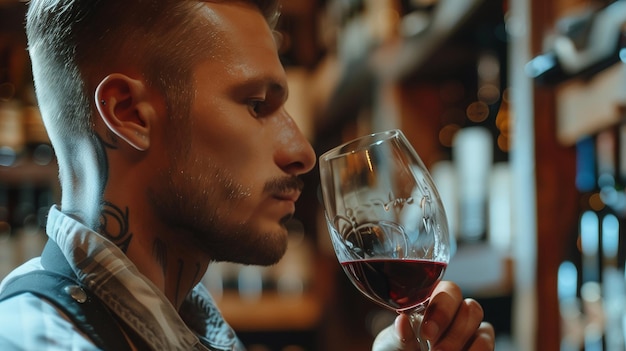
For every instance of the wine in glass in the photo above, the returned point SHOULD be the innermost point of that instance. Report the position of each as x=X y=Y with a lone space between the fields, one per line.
x=386 y=222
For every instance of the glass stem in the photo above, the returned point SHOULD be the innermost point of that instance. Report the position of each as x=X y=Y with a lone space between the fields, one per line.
x=416 y=316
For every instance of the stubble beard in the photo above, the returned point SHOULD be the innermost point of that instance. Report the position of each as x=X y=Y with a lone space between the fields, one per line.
x=197 y=209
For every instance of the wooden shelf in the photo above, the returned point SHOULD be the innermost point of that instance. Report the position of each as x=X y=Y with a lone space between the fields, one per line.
x=271 y=312
x=585 y=107
x=29 y=172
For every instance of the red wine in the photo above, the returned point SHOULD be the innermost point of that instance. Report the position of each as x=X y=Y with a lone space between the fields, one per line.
x=398 y=284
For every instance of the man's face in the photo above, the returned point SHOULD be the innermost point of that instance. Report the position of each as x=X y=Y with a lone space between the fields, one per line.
x=231 y=185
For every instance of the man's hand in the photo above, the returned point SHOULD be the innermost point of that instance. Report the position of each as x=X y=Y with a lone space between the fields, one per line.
x=451 y=323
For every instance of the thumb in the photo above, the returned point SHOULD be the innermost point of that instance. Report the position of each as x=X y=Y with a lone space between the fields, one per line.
x=396 y=337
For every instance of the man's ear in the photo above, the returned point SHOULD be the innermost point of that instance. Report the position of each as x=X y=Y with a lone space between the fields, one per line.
x=123 y=104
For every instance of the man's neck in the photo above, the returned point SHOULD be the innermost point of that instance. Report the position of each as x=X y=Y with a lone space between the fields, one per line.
x=174 y=268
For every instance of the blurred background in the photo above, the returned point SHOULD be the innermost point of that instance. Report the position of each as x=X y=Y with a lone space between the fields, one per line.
x=517 y=107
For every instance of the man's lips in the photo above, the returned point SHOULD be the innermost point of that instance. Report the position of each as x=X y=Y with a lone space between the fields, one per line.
x=288 y=195
x=285 y=189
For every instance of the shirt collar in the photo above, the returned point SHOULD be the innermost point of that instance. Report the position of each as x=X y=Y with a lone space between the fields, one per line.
x=108 y=273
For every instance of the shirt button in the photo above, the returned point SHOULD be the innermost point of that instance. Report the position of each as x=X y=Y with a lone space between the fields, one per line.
x=77 y=293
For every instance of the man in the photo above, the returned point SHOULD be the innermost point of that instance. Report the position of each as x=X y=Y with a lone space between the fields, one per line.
x=174 y=150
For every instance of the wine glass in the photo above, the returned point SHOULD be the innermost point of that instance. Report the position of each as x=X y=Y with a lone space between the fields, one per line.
x=386 y=222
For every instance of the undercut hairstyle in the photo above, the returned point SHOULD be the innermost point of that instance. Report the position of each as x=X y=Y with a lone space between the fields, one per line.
x=73 y=44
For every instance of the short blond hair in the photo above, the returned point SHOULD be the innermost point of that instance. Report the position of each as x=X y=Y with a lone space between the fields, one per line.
x=72 y=42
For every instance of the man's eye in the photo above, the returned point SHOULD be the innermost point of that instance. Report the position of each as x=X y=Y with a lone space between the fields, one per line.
x=255 y=107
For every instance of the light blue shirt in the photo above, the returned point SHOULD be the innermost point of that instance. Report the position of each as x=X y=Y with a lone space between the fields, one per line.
x=30 y=323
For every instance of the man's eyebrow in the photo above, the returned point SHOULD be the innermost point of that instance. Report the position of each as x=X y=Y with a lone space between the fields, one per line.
x=274 y=85
x=278 y=88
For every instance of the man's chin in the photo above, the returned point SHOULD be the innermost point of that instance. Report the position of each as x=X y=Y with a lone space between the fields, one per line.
x=262 y=250
x=256 y=259
x=269 y=252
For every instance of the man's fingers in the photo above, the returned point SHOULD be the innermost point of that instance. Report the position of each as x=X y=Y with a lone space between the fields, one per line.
x=462 y=331
x=450 y=323
x=442 y=310
x=484 y=338
x=396 y=337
